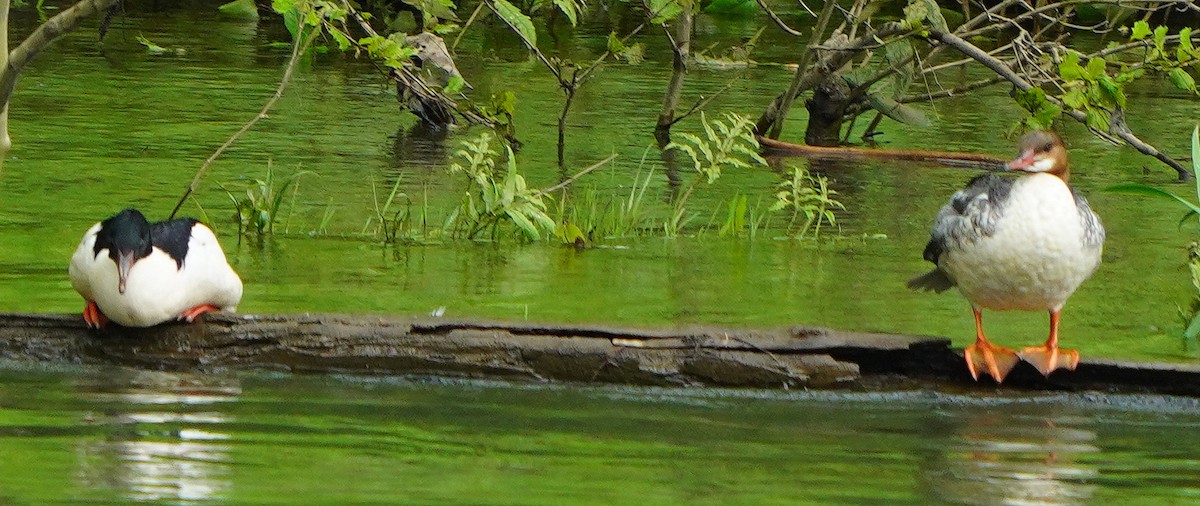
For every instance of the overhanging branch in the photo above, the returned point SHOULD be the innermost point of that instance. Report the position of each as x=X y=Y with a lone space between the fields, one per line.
x=52 y=29
x=1117 y=127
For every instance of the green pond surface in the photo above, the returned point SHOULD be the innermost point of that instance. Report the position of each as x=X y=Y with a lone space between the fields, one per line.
x=100 y=435
x=98 y=127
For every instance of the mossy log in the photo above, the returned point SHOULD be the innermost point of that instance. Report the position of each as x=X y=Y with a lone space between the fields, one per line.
x=795 y=357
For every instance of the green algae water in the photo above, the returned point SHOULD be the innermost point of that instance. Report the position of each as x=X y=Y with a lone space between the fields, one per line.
x=98 y=127
x=108 y=435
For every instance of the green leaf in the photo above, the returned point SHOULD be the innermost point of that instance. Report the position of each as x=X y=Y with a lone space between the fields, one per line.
x=1141 y=30
x=1113 y=90
x=1182 y=80
x=440 y=9
x=1044 y=117
x=1075 y=98
x=343 y=43
x=1032 y=99
x=445 y=28
x=522 y=222
x=570 y=9
x=1185 y=50
x=1142 y=189
x=1193 y=328
x=665 y=10
x=454 y=86
x=915 y=13
x=933 y=15
x=153 y=48
x=1069 y=68
x=1196 y=158
x=1160 y=38
x=505 y=101
x=1095 y=68
x=1098 y=119
x=615 y=46
x=516 y=20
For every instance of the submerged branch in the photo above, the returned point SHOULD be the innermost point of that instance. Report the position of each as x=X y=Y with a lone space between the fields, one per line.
x=779 y=22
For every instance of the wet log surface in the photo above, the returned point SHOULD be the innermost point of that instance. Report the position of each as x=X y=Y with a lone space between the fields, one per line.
x=795 y=357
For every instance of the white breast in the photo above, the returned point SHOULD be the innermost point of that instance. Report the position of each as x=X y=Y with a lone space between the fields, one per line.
x=157 y=289
x=1036 y=257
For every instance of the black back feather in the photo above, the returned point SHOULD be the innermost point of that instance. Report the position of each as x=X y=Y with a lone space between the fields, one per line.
x=172 y=236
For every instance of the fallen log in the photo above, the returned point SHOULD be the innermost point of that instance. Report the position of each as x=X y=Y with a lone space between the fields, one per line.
x=772 y=147
x=793 y=357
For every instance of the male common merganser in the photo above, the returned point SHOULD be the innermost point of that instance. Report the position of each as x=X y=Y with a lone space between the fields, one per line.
x=140 y=274
x=1024 y=243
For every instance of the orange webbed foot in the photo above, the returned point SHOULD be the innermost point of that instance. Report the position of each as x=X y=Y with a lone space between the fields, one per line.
x=1047 y=359
x=191 y=314
x=92 y=315
x=997 y=360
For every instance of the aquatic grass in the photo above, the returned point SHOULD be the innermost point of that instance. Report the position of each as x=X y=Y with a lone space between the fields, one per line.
x=393 y=221
x=743 y=219
x=257 y=212
x=593 y=217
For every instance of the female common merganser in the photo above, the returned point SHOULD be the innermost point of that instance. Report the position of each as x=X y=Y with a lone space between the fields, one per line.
x=140 y=274
x=1024 y=243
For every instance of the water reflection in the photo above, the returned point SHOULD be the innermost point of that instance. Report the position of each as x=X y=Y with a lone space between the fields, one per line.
x=165 y=438
x=1006 y=458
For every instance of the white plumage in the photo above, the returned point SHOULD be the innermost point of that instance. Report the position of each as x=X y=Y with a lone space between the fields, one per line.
x=157 y=288
x=1037 y=255
x=1023 y=244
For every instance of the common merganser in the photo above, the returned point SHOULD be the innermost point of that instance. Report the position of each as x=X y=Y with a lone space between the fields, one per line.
x=140 y=274
x=1025 y=243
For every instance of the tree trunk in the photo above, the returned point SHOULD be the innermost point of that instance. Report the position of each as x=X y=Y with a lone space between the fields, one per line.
x=681 y=49
x=5 y=140
x=770 y=124
x=840 y=52
x=562 y=127
x=826 y=109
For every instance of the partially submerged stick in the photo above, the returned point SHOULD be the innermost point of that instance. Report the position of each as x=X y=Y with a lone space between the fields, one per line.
x=949 y=158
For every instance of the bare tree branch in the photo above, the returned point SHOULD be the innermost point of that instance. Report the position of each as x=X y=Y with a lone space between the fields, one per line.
x=1117 y=126
x=52 y=29
x=779 y=22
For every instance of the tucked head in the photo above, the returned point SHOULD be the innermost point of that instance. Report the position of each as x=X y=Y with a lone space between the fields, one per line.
x=1041 y=151
x=126 y=236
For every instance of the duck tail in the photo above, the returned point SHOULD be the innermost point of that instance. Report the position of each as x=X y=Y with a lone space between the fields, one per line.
x=934 y=281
